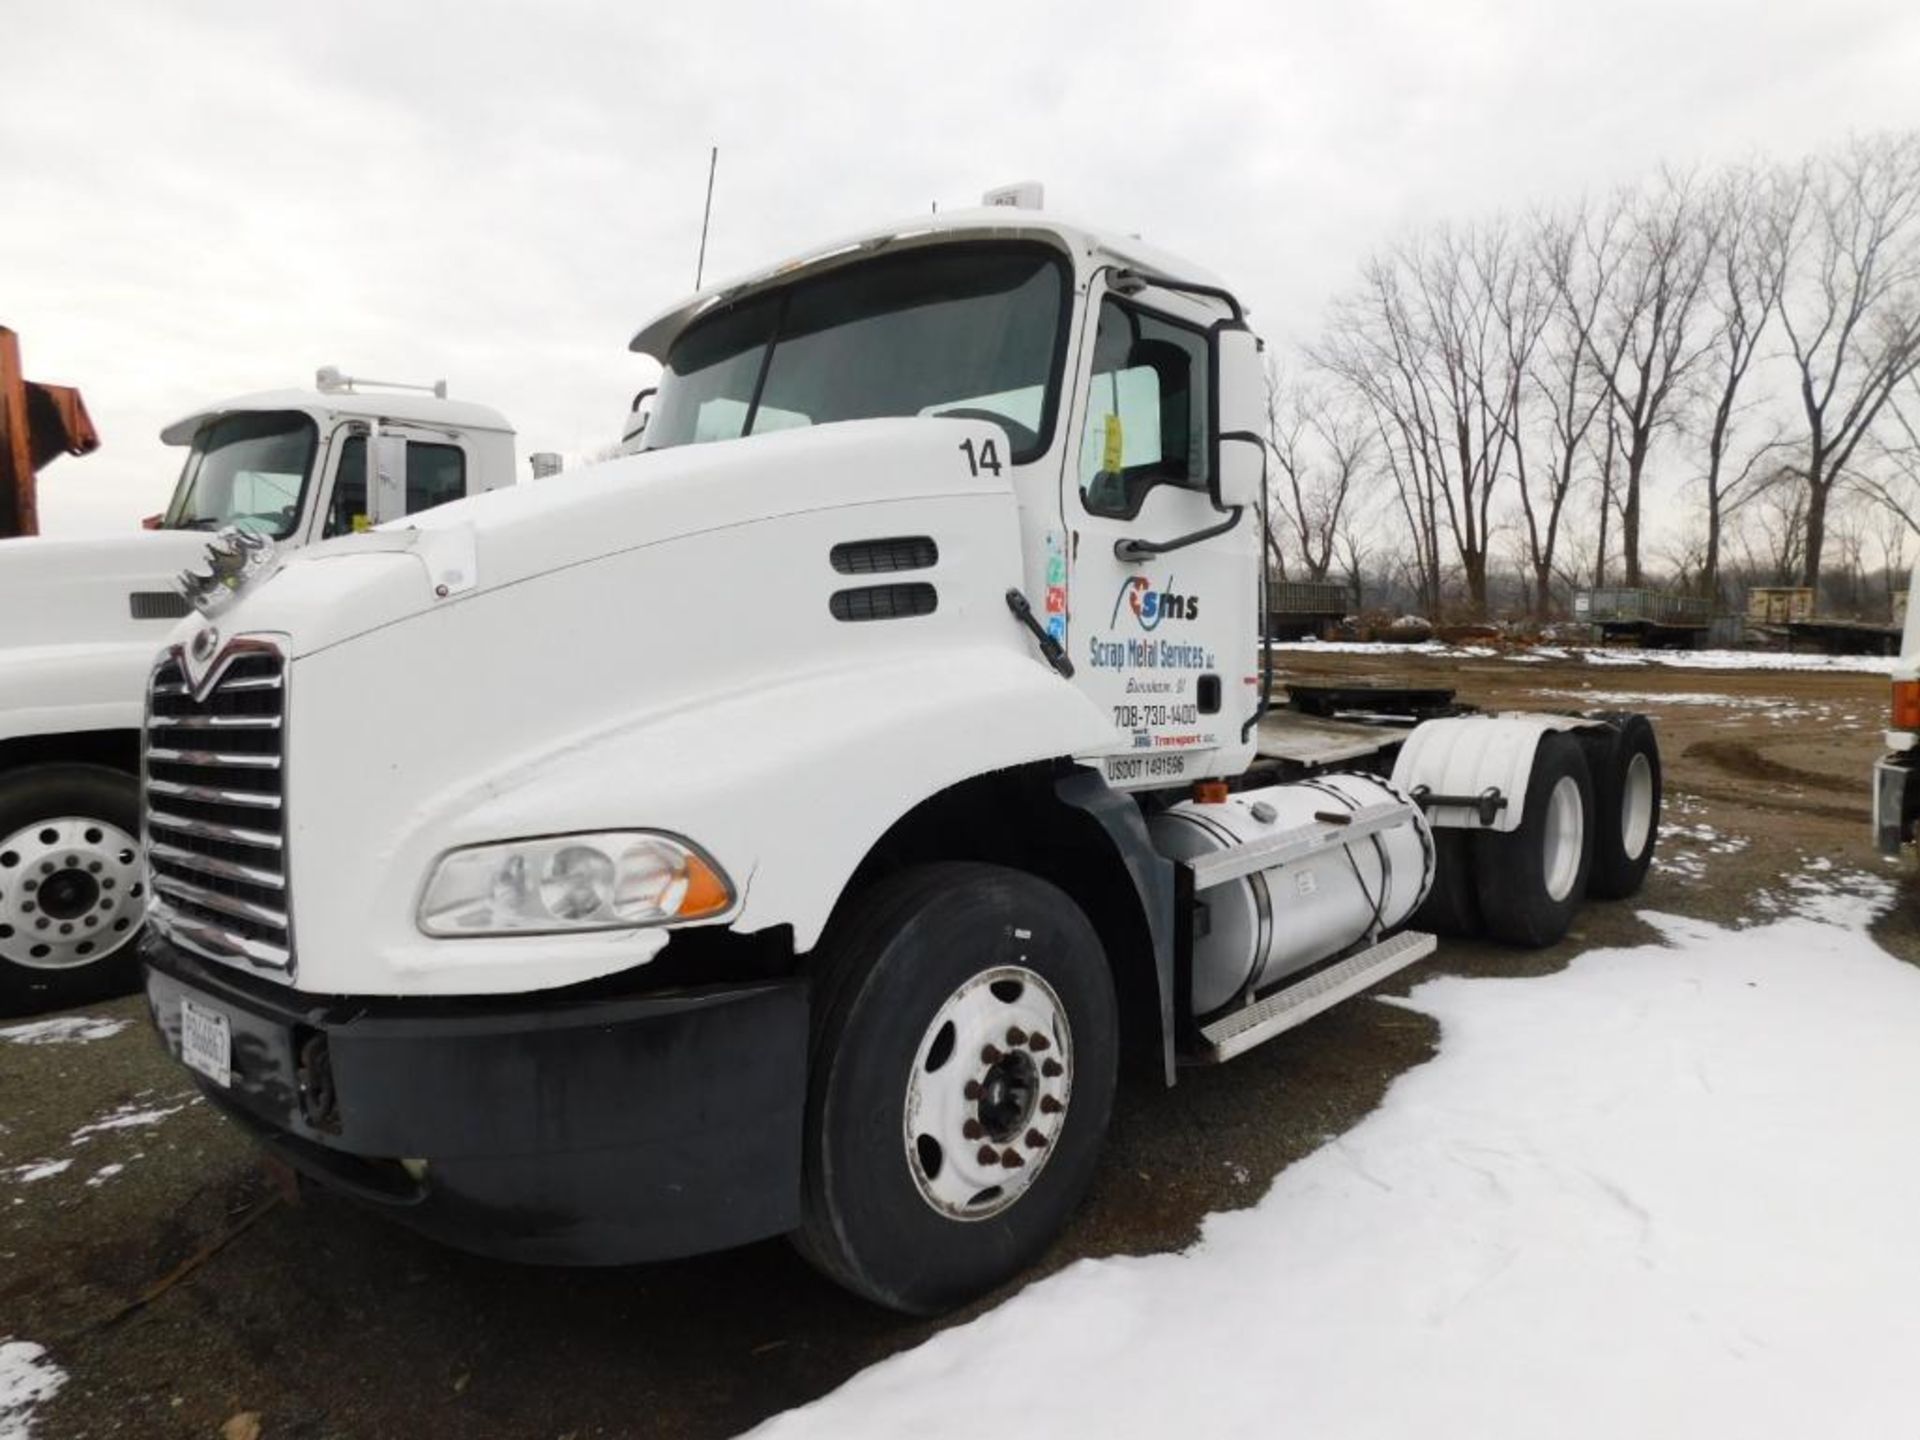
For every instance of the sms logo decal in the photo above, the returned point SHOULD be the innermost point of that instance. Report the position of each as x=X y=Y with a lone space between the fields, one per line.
x=1150 y=606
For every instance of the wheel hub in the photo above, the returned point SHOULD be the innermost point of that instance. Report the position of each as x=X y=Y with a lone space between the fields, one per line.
x=71 y=892
x=1008 y=1095
x=989 y=1092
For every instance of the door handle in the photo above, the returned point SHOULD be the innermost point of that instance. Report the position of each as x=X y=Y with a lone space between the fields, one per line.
x=1135 y=551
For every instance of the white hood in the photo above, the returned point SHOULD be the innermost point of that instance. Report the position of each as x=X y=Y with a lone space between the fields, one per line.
x=81 y=592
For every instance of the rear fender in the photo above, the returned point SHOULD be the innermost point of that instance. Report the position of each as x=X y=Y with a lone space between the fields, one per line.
x=1476 y=755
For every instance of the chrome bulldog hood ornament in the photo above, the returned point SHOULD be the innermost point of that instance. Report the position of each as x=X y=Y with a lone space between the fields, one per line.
x=235 y=558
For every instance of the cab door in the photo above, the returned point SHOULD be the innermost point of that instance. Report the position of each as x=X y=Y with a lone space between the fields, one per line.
x=1163 y=579
x=416 y=470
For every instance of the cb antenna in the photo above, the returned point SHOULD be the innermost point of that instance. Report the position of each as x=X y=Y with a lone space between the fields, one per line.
x=706 y=218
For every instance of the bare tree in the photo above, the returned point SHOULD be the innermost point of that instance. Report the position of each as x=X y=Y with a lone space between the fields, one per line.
x=1647 y=257
x=1564 y=376
x=1322 y=449
x=1423 y=345
x=1852 y=309
x=1748 y=216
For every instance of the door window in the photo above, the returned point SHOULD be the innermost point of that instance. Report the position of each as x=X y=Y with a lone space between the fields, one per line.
x=436 y=474
x=1147 y=411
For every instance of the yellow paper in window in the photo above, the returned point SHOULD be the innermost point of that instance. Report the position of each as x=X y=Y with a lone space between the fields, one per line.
x=1115 y=445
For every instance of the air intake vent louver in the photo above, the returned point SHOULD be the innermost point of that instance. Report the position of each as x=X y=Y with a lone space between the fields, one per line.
x=884 y=602
x=157 y=605
x=880 y=557
x=216 y=810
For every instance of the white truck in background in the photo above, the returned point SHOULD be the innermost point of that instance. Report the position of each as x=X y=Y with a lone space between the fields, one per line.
x=1896 y=775
x=85 y=617
x=787 y=828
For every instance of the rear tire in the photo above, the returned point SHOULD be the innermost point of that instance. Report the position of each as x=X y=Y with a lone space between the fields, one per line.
x=1531 y=880
x=961 y=1009
x=1625 y=760
x=1451 y=907
x=71 y=887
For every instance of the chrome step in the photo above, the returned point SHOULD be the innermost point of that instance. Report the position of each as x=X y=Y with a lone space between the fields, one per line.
x=1245 y=1028
x=1297 y=843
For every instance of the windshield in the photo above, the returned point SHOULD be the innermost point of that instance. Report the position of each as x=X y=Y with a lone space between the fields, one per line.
x=965 y=330
x=248 y=471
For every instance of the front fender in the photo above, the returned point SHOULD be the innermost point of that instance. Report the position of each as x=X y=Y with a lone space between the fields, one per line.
x=790 y=786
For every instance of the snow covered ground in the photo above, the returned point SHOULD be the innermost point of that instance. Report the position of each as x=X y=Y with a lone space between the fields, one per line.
x=1623 y=658
x=1668 y=1191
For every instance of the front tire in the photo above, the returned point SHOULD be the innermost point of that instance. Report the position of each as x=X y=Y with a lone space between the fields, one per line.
x=71 y=887
x=963 y=1064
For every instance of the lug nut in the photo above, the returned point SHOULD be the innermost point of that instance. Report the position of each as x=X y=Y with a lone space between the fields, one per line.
x=990 y=1055
x=1053 y=1069
x=1035 y=1140
x=1010 y=1158
x=972 y=1092
x=1016 y=1036
x=973 y=1130
x=1050 y=1106
x=1039 y=1042
x=989 y=1156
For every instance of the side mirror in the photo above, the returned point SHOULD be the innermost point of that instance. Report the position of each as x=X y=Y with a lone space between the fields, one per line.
x=1241 y=384
x=1243 y=470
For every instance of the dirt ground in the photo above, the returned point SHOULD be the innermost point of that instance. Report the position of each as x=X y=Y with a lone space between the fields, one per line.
x=330 y=1323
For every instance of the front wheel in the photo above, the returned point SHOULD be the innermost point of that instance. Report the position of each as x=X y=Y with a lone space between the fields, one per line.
x=963 y=1068
x=71 y=886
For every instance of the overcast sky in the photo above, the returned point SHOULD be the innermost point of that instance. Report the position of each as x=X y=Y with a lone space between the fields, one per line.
x=201 y=199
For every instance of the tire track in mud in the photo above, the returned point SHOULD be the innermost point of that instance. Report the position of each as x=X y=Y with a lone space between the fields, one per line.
x=1744 y=760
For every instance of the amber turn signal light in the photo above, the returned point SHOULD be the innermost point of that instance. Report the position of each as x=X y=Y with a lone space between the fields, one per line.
x=1906 y=705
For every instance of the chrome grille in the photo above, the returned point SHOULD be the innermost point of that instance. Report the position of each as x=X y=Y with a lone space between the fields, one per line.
x=216 y=808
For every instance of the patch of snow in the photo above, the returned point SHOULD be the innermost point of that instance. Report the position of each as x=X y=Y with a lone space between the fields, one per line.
x=27 y=1379
x=127 y=1117
x=1596 y=655
x=37 y=1170
x=1684 y=847
x=103 y=1174
x=1665 y=1191
x=64 y=1029
x=1823 y=892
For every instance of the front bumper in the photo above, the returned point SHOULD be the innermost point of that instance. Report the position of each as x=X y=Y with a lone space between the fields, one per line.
x=1896 y=800
x=569 y=1131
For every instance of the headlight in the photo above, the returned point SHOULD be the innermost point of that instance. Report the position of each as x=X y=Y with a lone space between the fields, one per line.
x=571 y=882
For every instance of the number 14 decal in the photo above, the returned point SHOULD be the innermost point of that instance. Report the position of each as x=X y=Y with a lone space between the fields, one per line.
x=987 y=459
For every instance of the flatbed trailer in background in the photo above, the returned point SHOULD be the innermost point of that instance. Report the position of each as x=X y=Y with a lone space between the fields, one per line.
x=1305 y=609
x=1653 y=618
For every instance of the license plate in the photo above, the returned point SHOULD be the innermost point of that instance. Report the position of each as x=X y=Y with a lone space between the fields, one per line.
x=206 y=1041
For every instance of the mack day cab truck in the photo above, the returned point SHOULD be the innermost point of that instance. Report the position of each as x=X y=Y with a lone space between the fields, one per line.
x=83 y=619
x=786 y=829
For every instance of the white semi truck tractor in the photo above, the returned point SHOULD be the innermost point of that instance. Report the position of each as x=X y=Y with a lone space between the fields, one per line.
x=83 y=618
x=790 y=828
